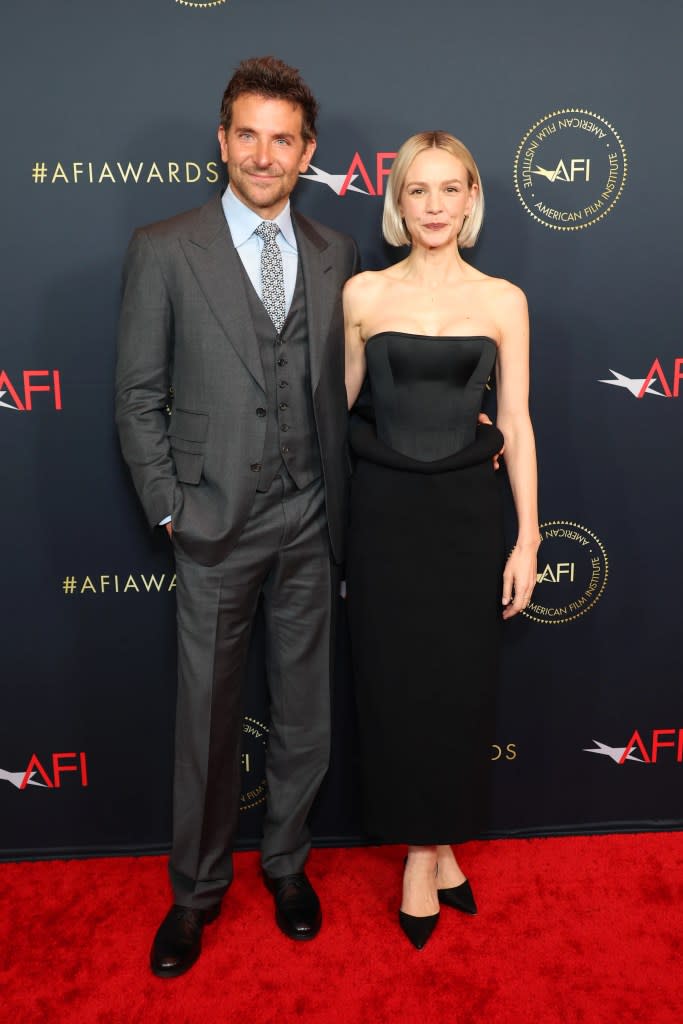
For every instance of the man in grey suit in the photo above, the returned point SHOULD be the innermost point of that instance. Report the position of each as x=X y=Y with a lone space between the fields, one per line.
x=234 y=310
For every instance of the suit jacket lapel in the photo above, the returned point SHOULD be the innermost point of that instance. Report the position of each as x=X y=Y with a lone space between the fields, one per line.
x=321 y=289
x=217 y=267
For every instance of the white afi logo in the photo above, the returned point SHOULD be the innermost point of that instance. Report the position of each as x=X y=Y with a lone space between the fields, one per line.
x=666 y=387
x=653 y=747
x=6 y=405
x=373 y=173
x=16 y=779
x=616 y=753
x=632 y=384
x=333 y=181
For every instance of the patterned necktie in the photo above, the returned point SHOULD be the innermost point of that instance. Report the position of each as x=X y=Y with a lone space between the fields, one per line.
x=272 y=276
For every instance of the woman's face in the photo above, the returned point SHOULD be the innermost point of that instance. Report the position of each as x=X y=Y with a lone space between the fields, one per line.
x=435 y=198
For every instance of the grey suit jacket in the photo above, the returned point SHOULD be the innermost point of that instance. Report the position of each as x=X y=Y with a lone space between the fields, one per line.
x=186 y=331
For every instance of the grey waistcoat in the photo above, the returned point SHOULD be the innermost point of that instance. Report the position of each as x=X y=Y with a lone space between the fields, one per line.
x=291 y=436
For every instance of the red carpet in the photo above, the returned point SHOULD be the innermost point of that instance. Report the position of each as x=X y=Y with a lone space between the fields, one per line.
x=569 y=930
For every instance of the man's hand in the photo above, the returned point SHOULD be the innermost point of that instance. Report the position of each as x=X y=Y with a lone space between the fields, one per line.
x=483 y=418
x=169 y=529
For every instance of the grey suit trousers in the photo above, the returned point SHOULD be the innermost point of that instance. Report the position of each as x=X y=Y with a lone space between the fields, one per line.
x=283 y=553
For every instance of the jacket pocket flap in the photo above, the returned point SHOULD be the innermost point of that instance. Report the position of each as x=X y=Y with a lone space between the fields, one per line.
x=188 y=466
x=190 y=426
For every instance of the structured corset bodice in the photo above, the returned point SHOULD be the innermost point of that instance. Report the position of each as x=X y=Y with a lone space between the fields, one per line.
x=427 y=391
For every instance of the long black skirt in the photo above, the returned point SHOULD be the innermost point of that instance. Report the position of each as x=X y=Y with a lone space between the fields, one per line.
x=424 y=586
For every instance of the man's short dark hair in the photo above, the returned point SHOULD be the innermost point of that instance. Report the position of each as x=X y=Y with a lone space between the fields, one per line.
x=272 y=78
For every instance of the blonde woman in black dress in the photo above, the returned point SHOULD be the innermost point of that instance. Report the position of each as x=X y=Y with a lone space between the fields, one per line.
x=428 y=583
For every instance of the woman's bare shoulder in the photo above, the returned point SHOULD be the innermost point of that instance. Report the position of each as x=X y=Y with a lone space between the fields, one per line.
x=363 y=292
x=504 y=288
x=505 y=293
x=364 y=283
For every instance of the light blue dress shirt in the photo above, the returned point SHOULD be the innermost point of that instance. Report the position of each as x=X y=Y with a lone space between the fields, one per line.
x=242 y=223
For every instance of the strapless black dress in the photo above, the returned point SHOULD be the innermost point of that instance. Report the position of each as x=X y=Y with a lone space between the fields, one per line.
x=424 y=584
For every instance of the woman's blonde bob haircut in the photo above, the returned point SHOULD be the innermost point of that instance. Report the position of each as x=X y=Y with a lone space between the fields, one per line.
x=393 y=226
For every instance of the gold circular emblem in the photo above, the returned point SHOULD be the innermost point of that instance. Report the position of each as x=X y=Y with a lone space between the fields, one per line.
x=201 y=3
x=570 y=169
x=254 y=743
x=572 y=573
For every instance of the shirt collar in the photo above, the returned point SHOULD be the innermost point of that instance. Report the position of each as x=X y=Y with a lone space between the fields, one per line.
x=243 y=222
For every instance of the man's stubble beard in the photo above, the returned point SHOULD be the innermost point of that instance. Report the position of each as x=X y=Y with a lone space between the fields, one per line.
x=261 y=199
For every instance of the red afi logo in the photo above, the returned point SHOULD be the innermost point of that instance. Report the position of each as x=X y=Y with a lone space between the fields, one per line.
x=372 y=175
x=656 y=372
x=358 y=167
x=58 y=768
x=32 y=382
x=658 y=742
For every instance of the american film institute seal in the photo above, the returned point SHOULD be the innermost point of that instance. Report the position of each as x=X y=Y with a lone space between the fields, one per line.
x=570 y=169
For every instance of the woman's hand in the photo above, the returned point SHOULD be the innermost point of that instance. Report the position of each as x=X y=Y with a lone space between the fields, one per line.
x=483 y=418
x=519 y=579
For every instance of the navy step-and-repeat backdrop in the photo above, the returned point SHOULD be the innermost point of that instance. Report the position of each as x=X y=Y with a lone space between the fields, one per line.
x=572 y=112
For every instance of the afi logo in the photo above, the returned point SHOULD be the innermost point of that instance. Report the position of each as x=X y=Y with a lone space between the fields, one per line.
x=645 y=749
x=578 y=168
x=561 y=571
x=51 y=773
x=32 y=381
x=371 y=173
x=655 y=383
x=660 y=739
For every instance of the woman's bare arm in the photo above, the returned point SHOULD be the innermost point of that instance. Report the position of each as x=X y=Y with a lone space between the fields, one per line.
x=355 y=296
x=520 y=451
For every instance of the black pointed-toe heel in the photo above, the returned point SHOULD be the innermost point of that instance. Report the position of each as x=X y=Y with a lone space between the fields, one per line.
x=459 y=897
x=418 y=929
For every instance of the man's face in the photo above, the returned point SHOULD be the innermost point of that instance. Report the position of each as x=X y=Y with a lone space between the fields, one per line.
x=264 y=152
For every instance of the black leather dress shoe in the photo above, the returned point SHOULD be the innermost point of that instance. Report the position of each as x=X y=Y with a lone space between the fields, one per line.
x=297 y=908
x=178 y=942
